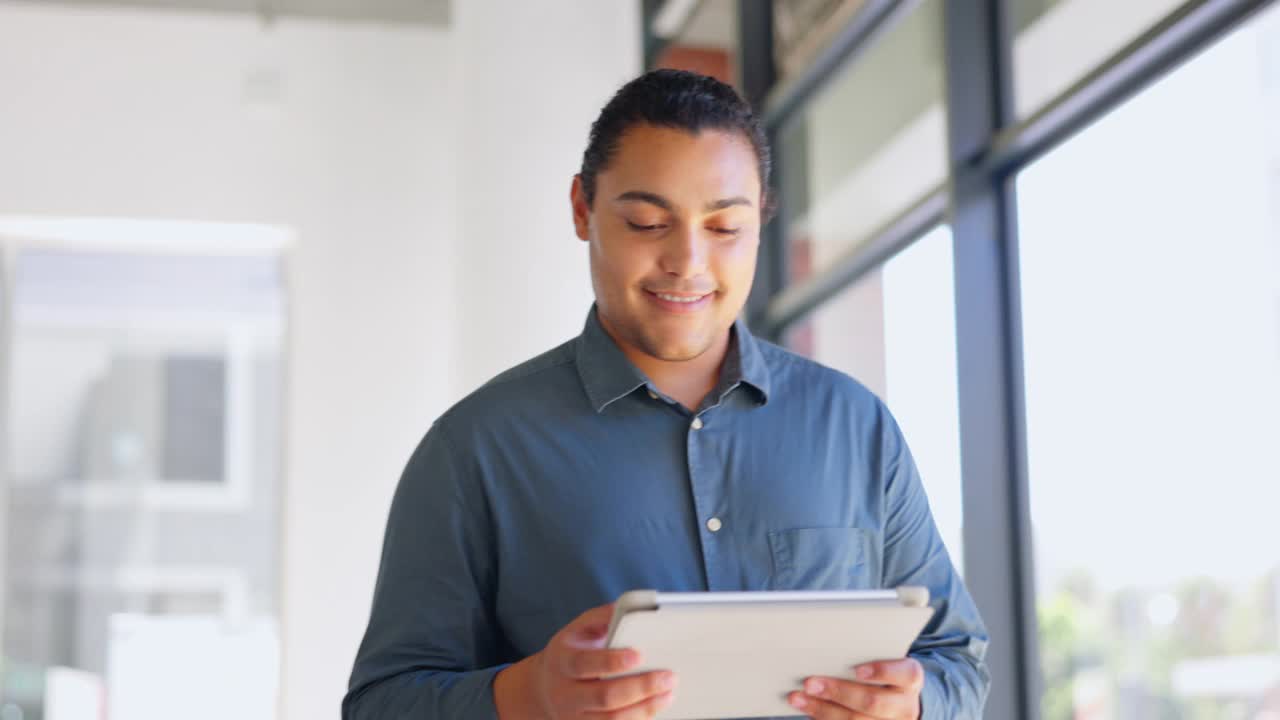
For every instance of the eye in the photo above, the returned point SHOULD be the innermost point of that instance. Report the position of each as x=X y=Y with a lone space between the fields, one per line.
x=726 y=231
x=643 y=228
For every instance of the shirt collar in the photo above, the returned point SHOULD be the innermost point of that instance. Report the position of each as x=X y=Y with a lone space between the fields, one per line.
x=607 y=375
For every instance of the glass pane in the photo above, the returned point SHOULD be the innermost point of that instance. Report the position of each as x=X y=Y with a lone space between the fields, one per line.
x=895 y=332
x=142 y=487
x=706 y=40
x=1150 y=267
x=869 y=146
x=1060 y=41
x=802 y=29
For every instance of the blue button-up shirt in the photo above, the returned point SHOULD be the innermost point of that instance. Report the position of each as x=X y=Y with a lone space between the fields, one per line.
x=571 y=479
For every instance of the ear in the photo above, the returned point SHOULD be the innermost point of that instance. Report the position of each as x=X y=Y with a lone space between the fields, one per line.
x=581 y=209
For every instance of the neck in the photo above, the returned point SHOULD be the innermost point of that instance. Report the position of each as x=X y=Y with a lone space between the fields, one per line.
x=686 y=381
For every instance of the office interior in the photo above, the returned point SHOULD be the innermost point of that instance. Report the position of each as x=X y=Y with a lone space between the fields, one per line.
x=250 y=249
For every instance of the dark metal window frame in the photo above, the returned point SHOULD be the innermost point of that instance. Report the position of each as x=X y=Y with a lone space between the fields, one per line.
x=988 y=146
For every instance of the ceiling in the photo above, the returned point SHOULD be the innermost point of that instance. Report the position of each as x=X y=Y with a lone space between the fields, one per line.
x=419 y=12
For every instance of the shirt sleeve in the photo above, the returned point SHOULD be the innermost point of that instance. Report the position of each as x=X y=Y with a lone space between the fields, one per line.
x=432 y=647
x=953 y=645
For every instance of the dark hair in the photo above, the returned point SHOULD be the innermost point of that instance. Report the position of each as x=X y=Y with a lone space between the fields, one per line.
x=673 y=99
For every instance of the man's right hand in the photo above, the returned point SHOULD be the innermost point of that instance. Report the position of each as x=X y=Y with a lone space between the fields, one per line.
x=567 y=679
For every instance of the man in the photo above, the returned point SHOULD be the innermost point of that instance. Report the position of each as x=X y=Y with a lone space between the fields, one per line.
x=663 y=448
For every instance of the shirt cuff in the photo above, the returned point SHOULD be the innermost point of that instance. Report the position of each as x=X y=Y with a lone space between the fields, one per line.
x=932 y=698
x=485 y=705
x=465 y=694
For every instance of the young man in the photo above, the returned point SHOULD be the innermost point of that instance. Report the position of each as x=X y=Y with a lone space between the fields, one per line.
x=663 y=448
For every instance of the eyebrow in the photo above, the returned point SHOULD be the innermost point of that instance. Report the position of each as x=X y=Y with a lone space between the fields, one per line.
x=665 y=204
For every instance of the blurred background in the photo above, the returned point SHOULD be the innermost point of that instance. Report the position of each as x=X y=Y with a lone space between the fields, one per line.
x=250 y=249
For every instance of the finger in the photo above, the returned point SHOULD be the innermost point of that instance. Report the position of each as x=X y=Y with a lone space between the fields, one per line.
x=871 y=700
x=591 y=626
x=824 y=709
x=619 y=693
x=906 y=673
x=640 y=711
x=598 y=663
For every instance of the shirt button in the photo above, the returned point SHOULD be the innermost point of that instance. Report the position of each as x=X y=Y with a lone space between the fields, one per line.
x=653 y=395
x=697 y=423
x=714 y=524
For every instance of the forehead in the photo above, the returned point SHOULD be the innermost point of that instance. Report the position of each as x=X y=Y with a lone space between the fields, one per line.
x=708 y=165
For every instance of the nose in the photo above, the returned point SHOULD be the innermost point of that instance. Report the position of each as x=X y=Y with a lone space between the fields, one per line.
x=684 y=252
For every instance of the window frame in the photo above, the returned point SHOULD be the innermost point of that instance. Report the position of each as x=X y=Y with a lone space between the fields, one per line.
x=988 y=146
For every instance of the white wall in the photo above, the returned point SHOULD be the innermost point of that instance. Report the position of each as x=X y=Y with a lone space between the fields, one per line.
x=341 y=133
x=350 y=135
x=533 y=75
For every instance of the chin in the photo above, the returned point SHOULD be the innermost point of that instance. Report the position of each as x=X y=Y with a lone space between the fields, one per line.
x=677 y=350
x=679 y=355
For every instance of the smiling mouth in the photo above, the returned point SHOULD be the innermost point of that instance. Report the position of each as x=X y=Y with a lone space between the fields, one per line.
x=680 y=298
x=680 y=303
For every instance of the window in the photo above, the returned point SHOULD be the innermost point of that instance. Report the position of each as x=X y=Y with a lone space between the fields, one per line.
x=702 y=37
x=894 y=331
x=804 y=28
x=141 y=495
x=1060 y=41
x=1150 y=270
x=869 y=146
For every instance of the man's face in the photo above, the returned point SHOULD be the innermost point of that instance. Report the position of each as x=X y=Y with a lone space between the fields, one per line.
x=673 y=235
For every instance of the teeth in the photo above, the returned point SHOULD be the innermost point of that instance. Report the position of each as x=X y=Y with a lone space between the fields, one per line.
x=676 y=299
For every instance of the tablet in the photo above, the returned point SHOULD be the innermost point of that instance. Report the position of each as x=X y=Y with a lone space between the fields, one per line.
x=738 y=654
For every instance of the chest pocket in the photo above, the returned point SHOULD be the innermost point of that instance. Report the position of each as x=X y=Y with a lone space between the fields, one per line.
x=821 y=559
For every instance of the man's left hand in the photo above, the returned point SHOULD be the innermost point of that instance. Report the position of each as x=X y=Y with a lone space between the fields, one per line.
x=885 y=690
